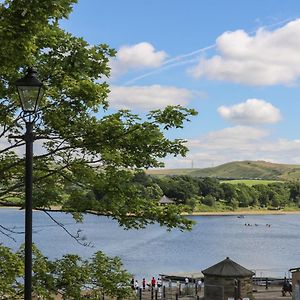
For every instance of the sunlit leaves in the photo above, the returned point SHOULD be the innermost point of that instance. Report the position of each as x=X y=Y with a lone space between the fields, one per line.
x=85 y=161
x=71 y=276
x=11 y=268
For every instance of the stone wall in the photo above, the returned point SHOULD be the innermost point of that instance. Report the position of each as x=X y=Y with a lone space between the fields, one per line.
x=222 y=288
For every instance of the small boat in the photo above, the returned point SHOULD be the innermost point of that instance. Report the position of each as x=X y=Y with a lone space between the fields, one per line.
x=240 y=216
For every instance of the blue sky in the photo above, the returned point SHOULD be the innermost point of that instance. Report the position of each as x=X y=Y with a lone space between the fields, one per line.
x=236 y=62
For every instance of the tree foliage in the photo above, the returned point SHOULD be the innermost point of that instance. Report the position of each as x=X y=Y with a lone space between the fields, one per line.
x=180 y=188
x=88 y=157
x=71 y=277
x=11 y=268
x=189 y=191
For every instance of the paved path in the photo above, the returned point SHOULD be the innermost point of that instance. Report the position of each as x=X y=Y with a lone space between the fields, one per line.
x=273 y=293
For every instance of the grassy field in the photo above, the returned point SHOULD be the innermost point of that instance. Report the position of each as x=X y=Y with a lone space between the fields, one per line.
x=220 y=208
x=167 y=172
x=250 y=182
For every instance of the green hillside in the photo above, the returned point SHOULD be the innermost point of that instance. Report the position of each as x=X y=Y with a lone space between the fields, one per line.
x=239 y=170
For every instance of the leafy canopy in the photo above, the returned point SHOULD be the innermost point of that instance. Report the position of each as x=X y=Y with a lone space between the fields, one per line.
x=71 y=277
x=88 y=158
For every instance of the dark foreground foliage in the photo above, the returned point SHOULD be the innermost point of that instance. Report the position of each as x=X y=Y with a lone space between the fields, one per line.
x=71 y=276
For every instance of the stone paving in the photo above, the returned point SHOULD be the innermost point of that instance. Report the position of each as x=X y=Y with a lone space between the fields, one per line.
x=272 y=293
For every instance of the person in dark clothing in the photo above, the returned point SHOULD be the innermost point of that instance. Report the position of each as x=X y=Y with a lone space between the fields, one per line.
x=286 y=288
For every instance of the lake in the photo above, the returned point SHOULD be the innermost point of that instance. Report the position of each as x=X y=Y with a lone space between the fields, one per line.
x=269 y=251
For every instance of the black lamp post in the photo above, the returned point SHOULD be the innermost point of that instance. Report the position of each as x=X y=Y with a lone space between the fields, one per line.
x=30 y=91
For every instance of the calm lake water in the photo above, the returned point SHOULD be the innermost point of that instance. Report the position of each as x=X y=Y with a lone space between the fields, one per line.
x=269 y=251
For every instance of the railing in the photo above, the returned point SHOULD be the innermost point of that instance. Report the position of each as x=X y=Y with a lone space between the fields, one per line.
x=169 y=293
x=190 y=291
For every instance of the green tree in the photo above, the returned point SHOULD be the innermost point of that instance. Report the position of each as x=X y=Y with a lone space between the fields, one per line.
x=229 y=192
x=71 y=276
x=234 y=203
x=104 y=272
x=209 y=200
x=279 y=195
x=294 y=189
x=11 y=268
x=192 y=203
x=180 y=188
x=42 y=279
x=82 y=146
x=263 y=196
x=149 y=188
x=210 y=186
x=246 y=195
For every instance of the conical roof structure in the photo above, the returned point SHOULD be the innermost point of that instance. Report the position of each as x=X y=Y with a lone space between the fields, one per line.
x=228 y=268
x=165 y=200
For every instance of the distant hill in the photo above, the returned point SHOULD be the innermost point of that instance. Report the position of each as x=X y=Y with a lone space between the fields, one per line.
x=239 y=170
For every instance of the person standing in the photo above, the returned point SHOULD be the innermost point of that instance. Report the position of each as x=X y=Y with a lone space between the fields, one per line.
x=159 y=282
x=136 y=286
x=200 y=285
x=144 y=283
x=153 y=282
x=186 y=283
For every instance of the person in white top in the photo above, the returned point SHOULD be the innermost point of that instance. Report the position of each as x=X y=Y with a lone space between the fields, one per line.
x=136 y=285
x=200 y=284
x=159 y=282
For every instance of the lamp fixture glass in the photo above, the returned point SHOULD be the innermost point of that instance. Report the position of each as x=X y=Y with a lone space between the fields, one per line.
x=30 y=91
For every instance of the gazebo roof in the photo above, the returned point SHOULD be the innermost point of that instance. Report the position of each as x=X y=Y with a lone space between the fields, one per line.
x=165 y=200
x=228 y=268
x=294 y=270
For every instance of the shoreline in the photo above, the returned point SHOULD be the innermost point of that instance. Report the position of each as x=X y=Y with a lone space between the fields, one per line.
x=244 y=212
x=215 y=213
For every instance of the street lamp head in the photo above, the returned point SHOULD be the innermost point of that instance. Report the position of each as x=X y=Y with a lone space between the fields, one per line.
x=30 y=91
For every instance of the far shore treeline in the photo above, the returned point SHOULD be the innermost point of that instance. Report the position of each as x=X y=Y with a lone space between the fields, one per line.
x=211 y=194
x=197 y=194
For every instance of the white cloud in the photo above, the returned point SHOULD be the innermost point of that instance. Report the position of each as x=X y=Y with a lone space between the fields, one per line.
x=20 y=150
x=228 y=138
x=267 y=58
x=138 y=56
x=251 y=112
x=237 y=143
x=147 y=97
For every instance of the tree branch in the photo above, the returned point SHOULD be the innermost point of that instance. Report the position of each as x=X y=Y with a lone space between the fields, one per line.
x=8 y=232
x=20 y=184
x=76 y=237
x=17 y=144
